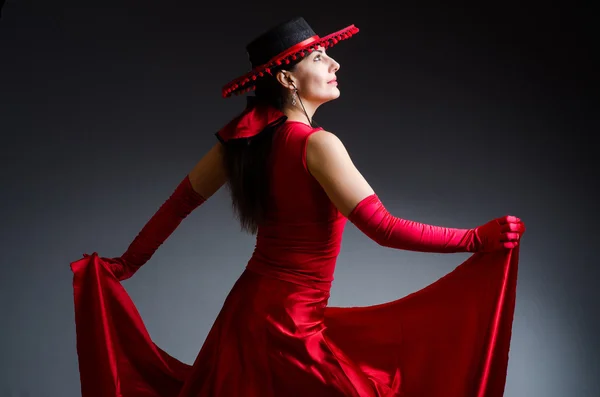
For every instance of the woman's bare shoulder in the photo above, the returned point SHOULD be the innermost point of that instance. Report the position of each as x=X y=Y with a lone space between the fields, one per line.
x=324 y=142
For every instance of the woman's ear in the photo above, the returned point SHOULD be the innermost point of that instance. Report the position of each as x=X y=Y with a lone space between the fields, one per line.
x=284 y=79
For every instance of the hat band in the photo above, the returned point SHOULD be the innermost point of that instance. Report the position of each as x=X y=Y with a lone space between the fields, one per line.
x=294 y=48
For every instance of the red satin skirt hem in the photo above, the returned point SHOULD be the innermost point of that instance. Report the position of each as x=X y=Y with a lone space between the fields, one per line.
x=275 y=338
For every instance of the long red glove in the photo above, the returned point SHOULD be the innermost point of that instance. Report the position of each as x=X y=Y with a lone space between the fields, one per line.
x=371 y=217
x=162 y=224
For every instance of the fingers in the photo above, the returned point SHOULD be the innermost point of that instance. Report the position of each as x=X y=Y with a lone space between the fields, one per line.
x=509 y=227
x=510 y=237
x=505 y=232
x=514 y=235
x=508 y=219
x=511 y=232
x=511 y=244
x=518 y=227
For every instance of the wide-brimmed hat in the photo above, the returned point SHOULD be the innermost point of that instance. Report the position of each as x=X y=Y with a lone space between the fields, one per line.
x=280 y=45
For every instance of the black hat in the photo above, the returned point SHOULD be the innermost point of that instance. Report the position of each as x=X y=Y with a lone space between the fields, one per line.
x=285 y=42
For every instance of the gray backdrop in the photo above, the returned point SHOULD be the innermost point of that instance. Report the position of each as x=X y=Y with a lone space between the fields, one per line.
x=455 y=116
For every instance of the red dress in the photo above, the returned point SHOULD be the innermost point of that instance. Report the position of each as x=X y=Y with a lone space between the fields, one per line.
x=275 y=334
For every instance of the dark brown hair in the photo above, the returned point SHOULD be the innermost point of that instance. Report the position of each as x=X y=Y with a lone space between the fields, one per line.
x=247 y=164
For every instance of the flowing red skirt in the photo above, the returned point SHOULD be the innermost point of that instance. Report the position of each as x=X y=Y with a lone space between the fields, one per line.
x=276 y=338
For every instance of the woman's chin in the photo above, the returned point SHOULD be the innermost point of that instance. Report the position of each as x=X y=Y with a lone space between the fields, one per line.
x=334 y=95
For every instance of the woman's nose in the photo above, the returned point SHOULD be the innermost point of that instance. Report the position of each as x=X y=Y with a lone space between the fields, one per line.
x=336 y=66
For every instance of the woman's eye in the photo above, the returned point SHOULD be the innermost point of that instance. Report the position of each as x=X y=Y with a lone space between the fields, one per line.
x=318 y=58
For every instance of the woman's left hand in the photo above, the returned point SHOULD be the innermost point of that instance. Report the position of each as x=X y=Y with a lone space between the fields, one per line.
x=500 y=233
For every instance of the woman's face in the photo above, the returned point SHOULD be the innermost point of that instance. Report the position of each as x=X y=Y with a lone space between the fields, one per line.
x=315 y=79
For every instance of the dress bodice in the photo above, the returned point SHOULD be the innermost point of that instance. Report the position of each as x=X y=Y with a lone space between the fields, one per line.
x=301 y=237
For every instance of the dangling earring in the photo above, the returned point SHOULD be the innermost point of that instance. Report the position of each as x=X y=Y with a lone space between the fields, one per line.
x=294 y=98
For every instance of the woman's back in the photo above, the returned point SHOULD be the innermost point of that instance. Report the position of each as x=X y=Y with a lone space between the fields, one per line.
x=301 y=237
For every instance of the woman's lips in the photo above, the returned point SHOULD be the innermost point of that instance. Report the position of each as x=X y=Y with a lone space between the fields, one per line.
x=332 y=82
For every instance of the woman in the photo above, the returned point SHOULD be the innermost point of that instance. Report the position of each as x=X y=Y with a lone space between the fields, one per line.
x=295 y=186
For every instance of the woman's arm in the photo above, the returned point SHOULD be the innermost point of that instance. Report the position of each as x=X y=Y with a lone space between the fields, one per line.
x=193 y=190
x=328 y=161
x=208 y=175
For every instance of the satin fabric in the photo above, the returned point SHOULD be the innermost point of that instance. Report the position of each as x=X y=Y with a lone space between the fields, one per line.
x=256 y=118
x=276 y=335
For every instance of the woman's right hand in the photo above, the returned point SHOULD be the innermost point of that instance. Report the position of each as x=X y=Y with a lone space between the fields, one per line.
x=500 y=233
x=160 y=226
x=116 y=266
